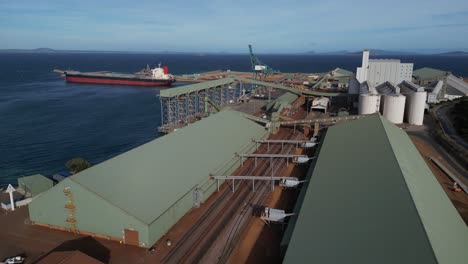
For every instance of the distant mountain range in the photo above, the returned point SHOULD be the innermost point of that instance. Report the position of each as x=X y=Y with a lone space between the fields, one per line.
x=378 y=52
x=374 y=52
x=454 y=53
x=48 y=50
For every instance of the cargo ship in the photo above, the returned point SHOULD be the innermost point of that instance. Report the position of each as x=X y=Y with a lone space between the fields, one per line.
x=146 y=77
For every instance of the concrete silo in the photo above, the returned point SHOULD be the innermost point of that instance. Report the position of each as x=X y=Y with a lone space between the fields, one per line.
x=369 y=104
x=415 y=108
x=394 y=108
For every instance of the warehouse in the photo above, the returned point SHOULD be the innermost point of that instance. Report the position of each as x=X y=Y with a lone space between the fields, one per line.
x=34 y=184
x=137 y=196
x=371 y=198
x=440 y=85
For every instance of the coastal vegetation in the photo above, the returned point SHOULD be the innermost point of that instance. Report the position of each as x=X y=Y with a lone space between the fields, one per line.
x=77 y=164
x=460 y=117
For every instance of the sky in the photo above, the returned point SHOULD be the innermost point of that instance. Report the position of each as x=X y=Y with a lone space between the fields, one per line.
x=274 y=26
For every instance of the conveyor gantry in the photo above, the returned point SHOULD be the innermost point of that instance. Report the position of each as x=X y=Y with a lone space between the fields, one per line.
x=182 y=104
x=288 y=89
x=252 y=178
x=303 y=143
x=296 y=158
x=320 y=120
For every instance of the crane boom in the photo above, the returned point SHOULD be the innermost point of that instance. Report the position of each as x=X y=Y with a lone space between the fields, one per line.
x=259 y=68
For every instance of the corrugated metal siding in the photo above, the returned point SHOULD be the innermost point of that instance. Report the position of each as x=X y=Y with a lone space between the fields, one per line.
x=281 y=102
x=428 y=73
x=166 y=220
x=151 y=187
x=446 y=230
x=358 y=207
x=93 y=214
x=207 y=186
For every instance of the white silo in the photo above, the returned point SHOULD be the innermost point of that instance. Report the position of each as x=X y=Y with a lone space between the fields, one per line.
x=415 y=108
x=368 y=104
x=394 y=108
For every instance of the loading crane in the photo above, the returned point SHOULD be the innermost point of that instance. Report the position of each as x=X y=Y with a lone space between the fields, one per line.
x=259 y=69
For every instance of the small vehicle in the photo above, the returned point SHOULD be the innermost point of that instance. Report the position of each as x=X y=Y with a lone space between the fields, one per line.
x=15 y=260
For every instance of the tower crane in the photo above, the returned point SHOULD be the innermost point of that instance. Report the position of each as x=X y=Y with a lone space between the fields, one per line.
x=259 y=69
x=259 y=72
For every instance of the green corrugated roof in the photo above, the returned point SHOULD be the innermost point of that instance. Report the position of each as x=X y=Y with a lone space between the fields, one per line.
x=285 y=100
x=428 y=73
x=148 y=180
x=36 y=183
x=205 y=85
x=344 y=80
x=343 y=72
x=194 y=87
x=372 y=199
x=290 y=89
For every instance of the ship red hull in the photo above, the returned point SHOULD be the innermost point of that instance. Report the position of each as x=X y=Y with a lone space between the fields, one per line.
x=117 y=81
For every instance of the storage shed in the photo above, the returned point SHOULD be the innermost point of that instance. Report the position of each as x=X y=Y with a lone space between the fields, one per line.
x=35 y=184
x=371 y=198
x=137 y=196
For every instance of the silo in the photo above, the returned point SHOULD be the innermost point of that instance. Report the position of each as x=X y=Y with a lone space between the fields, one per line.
x=394 y=108
x=368 y=104
x=415 y=108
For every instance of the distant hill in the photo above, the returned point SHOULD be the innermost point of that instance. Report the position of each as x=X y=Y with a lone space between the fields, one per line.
x=49 y=50
x=454 y=53
x=340 y=52
x=373 y=52
x=43 y=50
x=378 y=52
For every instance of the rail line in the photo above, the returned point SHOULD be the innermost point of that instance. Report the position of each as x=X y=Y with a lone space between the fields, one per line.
x=192 y=247
x=247 y=214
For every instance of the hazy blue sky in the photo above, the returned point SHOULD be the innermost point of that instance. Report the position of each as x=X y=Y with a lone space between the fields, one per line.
x=207 y=25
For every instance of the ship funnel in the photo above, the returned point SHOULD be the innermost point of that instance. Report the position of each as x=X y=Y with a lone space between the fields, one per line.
x=166 y=71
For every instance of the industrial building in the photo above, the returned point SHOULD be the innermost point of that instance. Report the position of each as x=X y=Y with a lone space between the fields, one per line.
x=34 y=184
x=385 y=86
x=137 y=196
x=337 y=79
x=320 y=104
x=440 y=85
x=379 y=71
x=393 y=101
x=409 y=98
x=371 y=198
x=416 y=98
x=282 y=102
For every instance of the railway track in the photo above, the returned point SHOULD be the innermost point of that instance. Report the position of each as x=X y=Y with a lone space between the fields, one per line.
x=248 y=213
x=223 y=215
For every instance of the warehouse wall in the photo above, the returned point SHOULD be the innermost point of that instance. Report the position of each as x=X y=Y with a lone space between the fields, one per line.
x=93 y=214
x=164 y=222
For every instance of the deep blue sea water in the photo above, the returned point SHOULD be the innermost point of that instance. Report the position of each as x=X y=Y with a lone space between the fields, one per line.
x=45 y=121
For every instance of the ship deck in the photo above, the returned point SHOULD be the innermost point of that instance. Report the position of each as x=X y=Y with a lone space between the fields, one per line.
x=112 y=75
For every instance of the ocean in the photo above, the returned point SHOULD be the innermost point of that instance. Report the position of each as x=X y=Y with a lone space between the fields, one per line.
x=45 y=121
